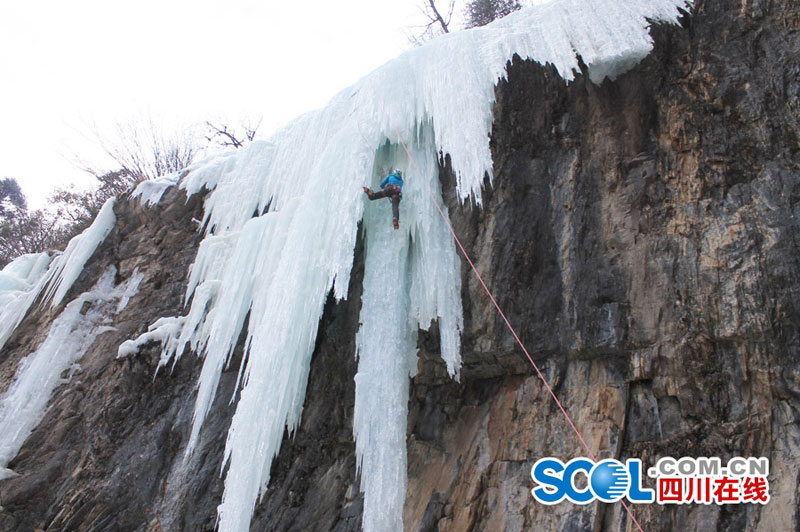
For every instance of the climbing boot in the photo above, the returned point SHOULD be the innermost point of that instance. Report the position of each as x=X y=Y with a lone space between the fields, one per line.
x=368 y=192
x=396 y=224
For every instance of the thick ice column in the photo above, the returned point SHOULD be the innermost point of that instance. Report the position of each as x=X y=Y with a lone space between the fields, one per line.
x=411 y=278
x=386 y=343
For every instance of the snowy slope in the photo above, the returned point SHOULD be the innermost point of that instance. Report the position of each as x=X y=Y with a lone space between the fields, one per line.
x=282 y=218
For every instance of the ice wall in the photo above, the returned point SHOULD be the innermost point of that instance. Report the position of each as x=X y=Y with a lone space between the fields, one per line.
x=281 y=222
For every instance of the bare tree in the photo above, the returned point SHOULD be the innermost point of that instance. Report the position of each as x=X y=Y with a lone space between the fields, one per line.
x=437 y=23
x=69 y=212
x=79 y=207
x=30 y=232
x=228 y=137
x=142 y=150
x=139 y=150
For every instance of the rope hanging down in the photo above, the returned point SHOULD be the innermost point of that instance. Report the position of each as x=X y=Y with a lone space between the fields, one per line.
x=500 y=311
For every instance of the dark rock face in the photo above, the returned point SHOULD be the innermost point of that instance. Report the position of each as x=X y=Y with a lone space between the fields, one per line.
x=101 y=455
x=641 y=238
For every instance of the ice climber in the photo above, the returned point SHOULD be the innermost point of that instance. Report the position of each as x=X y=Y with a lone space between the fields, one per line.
x=391 y=187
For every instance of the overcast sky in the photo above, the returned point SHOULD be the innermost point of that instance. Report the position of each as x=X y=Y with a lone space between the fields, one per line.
x=68 y=68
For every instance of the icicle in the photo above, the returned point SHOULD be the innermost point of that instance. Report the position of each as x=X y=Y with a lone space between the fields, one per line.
x=67 y=267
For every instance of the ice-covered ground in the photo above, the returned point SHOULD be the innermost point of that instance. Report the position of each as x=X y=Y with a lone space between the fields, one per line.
x=281 y=222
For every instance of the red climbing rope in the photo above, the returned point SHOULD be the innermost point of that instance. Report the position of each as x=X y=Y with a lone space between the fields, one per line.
x=502 y=314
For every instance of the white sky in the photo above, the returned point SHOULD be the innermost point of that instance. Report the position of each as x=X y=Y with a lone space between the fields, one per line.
x=65 y=66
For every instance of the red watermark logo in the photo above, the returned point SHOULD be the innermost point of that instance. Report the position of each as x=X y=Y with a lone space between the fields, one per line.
x=685 y=480
x=706 y=481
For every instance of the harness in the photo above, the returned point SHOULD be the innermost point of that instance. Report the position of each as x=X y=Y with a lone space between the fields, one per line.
x=394 y=190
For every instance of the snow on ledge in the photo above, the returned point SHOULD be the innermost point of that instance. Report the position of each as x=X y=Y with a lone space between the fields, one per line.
x=160 y=331
x=149 y=192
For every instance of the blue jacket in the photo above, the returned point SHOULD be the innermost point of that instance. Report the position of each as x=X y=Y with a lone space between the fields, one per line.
x=392 y=179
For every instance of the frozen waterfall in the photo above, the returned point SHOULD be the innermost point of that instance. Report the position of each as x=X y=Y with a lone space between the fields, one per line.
x=281 y=221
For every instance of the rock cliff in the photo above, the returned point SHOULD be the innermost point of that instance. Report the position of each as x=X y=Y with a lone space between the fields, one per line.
x=641 y=237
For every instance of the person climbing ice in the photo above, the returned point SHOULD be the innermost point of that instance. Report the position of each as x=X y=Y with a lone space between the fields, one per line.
x=391 y=187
